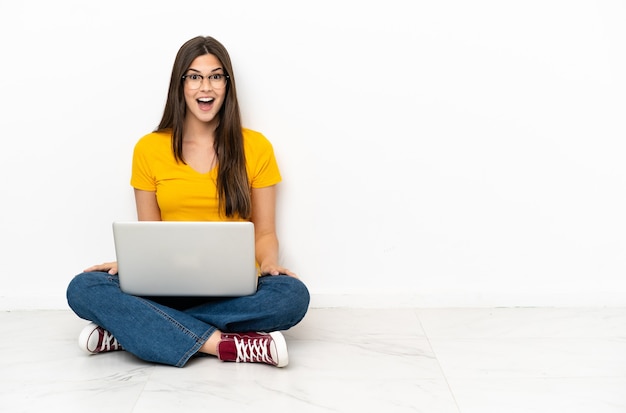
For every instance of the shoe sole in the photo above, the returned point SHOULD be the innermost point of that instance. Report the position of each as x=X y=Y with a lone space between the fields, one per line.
x=281 y=348
x=83 y=338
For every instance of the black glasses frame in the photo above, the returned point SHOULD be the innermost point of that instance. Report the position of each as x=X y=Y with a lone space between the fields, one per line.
x=202 y=77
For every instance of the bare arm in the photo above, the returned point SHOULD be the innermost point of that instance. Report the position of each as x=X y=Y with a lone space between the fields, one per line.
x=147 y=206
x=264 y=219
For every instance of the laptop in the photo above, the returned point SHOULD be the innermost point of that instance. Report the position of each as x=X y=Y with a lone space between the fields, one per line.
x=174 y=258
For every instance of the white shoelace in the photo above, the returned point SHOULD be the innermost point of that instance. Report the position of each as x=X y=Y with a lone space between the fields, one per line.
x=253 y=350
x=109 y=341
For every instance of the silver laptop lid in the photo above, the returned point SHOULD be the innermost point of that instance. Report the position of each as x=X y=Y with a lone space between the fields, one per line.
x=173 y=258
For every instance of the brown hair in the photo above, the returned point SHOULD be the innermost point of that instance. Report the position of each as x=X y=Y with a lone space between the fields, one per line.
x=233 y=188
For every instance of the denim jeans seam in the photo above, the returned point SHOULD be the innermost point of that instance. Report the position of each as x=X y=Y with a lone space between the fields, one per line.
x=172 y=320
x=194 y=349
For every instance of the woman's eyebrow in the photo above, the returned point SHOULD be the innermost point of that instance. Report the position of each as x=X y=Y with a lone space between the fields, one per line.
x=197 y=71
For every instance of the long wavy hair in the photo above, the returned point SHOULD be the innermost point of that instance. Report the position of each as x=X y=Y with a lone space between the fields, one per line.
x=233 y=188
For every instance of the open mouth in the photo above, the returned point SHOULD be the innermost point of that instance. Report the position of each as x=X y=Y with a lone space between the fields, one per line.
x=205 y=103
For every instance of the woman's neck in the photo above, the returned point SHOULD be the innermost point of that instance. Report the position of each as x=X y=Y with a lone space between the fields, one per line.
x=197 y=131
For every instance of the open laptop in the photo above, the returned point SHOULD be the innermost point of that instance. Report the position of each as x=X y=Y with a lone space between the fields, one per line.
x=173 y=258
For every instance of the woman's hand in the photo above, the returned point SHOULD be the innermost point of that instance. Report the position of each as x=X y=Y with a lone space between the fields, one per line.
x=110 y=267
x=276 y=270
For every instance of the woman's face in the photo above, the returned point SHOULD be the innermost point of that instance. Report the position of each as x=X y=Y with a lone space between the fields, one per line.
x=204 y=97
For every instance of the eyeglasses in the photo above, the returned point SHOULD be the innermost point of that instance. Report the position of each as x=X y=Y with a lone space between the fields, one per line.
x=195 y=81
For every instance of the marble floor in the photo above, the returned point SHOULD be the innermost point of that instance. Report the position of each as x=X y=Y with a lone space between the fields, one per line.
x=500 y=360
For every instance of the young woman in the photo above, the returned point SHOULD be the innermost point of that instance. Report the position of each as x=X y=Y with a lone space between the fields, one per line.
x=199 y=165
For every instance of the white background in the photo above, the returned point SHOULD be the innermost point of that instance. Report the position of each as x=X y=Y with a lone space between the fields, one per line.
x=448 y=153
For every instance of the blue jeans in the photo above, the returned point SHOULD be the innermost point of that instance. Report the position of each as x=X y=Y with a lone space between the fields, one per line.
x=170 y=330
